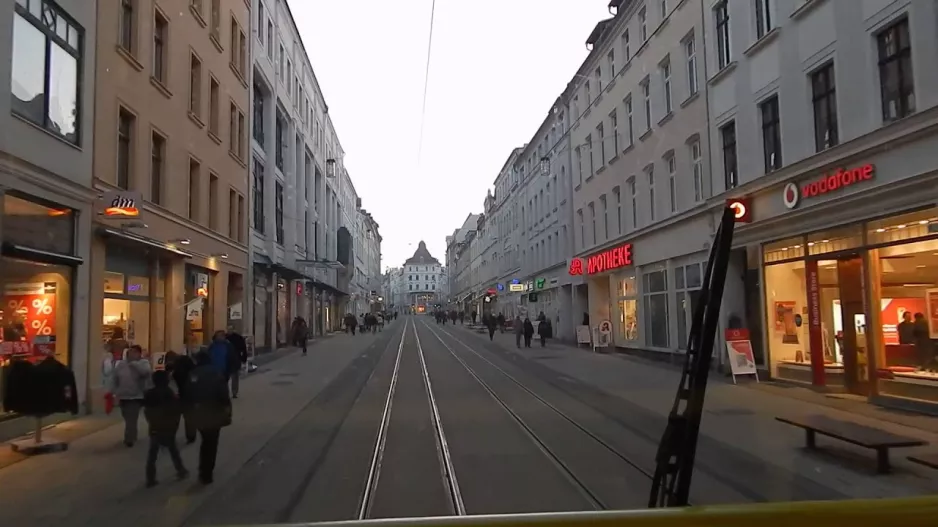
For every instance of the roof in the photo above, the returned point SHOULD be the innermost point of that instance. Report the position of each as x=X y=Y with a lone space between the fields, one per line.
x=422 y=256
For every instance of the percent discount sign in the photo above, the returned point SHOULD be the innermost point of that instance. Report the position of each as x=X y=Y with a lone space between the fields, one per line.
x=33 y=306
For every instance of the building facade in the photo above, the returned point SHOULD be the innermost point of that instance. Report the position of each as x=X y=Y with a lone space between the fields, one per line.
x=305 y=225
x=831 y=145
x=424 y=274
x=457 y=274
x=47 y=140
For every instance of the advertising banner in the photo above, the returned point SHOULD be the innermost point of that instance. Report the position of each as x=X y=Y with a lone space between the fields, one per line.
x=32 y=312
x=739 y=351
x=815 y=332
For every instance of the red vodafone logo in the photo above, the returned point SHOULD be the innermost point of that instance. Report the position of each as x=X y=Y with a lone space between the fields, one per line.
x=791 y=196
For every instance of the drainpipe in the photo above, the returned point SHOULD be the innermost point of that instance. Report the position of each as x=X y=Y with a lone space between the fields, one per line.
x=247 y=309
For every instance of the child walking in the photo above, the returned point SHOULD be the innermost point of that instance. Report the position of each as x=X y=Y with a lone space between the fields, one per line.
x=163 y=410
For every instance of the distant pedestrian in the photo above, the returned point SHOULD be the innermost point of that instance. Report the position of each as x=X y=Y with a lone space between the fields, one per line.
x=179 y=367
x=163 y=410
x=544 y=330
x=240 y=348
x=518 y=327
x=490 y=323
x=211 y=411
x=300 y=333
x=528 y=332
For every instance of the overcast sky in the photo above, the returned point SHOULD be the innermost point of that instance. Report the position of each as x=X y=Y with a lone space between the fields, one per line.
x=496 y=68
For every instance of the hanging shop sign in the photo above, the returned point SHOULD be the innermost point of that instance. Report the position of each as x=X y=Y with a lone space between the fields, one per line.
x=516 y=287
x=792 y=194
x=601 y=262
x=742 y=209
x=539 y=283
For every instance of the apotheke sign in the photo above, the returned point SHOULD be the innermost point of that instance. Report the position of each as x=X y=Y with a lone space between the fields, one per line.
x=601 y=262
x=792 y=194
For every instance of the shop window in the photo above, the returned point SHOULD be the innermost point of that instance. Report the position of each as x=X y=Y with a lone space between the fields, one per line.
x=627 y=304
x=261 y=310
x=133 y=309
x=38 y=225
x=909 y=226
x=787 y=312
x=687 y=282
x=283 y=312
x=835 y=240
x=904 y=282
x=235 y=296
x=783 y=250
x=656 y=308
x=198 y=312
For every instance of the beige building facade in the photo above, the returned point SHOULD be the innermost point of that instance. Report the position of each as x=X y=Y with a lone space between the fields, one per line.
x=169 y=257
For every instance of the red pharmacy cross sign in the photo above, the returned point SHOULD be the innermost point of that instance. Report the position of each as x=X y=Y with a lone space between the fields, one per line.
x=576 y=267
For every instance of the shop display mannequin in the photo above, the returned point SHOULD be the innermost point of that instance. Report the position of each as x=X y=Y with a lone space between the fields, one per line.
x=39 y=390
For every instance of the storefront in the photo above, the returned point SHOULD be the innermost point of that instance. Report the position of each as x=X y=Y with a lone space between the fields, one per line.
x=200 y=307
x=263 y=303
x=134 y=303
x=849 y=263
x=39 y=271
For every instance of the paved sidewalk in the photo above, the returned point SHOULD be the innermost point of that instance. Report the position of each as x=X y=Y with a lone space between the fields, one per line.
x=99 y=482
x=742 y=417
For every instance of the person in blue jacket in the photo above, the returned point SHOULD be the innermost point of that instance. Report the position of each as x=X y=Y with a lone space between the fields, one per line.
x=224 y=359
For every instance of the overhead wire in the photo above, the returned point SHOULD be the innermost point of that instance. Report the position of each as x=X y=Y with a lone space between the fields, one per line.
x=426 y=82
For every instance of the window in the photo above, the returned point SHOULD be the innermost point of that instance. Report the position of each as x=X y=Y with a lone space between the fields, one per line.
x=895 y=71
x=666 y=82
x=601 y=138
x=579 y=164
x=663 y=5
x=579 y=219
x=258 y=196
x=650 y=172
x=270 y=40
x=771 y=135
x=160 y=37
x=824 y=101
x=241 y=131
x=128 y=27
x=279 y=139
x=724 y=56
x=238 y=48
x=690 y=50
x=633 y=192
x=289 y=79
x=589 y=97
x=589 y=151
x=672 y=184
x=687 y=282
x=232 y=128
x=213 y=117
x=240 y=226
x=656 y=308
x=125 y=135
x=617 y=193
x=281 y=63
x=646 y=97
x=592 y=209
x=233 y=214
x=728 y=136
x=195 y=197
x=260 y=22
x=278 y=211
x=611 y=62
x=258 y=109
x=216 y=19
x=643 y=25
x=45 y=75
x=195 y=85
x=697 y=162
x=598 y=74
x=614 y=123
x=629 y=122
x=605 y=205
x=626 y=295
x=625 y=46
x=157 y=167
x=213 y=202
x=764 y=20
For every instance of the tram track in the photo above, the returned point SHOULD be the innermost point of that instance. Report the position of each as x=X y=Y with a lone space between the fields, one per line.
x=579 y=478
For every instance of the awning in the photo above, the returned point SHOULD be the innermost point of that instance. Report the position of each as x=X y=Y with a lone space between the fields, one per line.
x=288 y=274
x=150 y=242
x=262 y=260
x=326 y=287
x=28 y=253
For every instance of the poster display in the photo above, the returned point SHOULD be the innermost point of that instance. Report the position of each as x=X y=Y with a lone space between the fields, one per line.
x=931 y=307
x=739 y=352
x=29 y=332
x=583 y=335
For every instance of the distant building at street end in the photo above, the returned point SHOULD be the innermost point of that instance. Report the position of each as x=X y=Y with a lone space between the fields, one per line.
x=424 y=274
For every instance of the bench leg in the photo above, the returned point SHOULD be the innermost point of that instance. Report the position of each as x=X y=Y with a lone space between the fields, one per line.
x=882 y=461
x=809 y=438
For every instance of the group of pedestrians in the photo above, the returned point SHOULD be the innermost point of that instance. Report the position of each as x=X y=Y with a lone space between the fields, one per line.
x=523 y=328
x=196 y=391
x=368 y=322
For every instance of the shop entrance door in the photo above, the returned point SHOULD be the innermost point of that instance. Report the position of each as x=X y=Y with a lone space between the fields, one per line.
x=853 y=341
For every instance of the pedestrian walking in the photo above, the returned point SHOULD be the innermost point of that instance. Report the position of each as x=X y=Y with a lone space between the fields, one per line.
x=518 y=327
x=544 y=331
x=240 y=348
x=211 y=411
x=528 y=332
x=130 y=380
x=490 y=323
x=225 y=360
x=163 y=410
x=179 y=367
x=300 y=333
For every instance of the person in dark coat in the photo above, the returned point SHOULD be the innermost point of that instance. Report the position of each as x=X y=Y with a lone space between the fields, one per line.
x=544 y=329
x=528 y=332
x=518 y=327
x=163 y=410
x=238 y=358
x=490 y=323
x=211 y=411
x=179 y=367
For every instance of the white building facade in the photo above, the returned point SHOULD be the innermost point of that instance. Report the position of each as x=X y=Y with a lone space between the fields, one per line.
x=423 y=277
x=304 y=209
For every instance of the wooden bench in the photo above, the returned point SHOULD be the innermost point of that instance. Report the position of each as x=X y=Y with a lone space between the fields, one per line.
x=928 y=460
x=856 y=434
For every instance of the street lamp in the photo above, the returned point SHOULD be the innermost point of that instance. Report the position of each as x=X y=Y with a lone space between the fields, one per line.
x=330 y=168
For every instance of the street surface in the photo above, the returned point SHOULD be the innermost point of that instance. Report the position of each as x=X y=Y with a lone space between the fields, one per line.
x=427 y=420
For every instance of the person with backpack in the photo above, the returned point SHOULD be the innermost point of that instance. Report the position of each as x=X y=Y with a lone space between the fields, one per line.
x=163 y=411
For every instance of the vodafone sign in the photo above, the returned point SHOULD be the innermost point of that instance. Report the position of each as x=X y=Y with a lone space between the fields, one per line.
x=742 y=209
x=792 y=194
